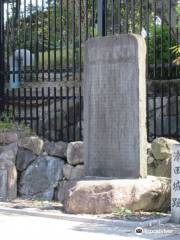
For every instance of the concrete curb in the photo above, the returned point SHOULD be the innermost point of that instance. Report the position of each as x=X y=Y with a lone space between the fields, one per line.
x=85 y=219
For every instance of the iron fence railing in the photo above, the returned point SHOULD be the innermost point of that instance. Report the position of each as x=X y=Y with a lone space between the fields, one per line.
x=41 y=63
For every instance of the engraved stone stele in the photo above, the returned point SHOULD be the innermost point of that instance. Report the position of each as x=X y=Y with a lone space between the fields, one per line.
x=115 y=107
x=175 y=184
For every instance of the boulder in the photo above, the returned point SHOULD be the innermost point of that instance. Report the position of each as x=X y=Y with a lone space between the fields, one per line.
x=24 y=159
x=8 y=156
x=57 y=149
x=75 y=153
x=41 y=177
x=8 y=180
x=33 y=143
x=9 y=152
x=62 y=190
x=161 y=148
x=150 y=158
x=71 y=173
x=160 y=168
x=11 y=147
x=103 y=196
x=67 y=170
x=8 y=137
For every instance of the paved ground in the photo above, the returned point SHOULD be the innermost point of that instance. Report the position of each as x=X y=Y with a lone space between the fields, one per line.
x=17 y=226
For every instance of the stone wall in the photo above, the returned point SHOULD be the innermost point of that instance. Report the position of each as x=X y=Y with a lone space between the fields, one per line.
x=33 y=169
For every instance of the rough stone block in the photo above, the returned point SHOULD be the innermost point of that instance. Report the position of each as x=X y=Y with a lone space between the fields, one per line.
x=75 y=153
x=41 y=177
x=99 y=196
x=58 y=149
x=8 y=137
x=33 y=143
x=24 y=159
x=73 y=172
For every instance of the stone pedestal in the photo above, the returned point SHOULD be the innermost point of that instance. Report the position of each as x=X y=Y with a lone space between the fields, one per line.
x=175 y=184
x=115 y=107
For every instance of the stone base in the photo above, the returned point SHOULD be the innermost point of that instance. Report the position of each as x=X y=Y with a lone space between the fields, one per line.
x=101 y=196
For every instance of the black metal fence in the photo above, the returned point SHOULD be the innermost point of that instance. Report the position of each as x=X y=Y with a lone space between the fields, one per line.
x=41 y=63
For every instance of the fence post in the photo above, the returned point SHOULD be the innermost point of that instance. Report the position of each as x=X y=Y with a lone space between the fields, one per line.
x=2 y=79
x=101 y=18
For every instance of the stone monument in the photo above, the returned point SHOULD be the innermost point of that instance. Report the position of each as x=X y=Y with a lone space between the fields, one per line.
x=115 y=107
x=175 y=184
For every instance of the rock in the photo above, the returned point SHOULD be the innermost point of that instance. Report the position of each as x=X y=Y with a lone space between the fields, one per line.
x=8 y=156
x=24 y=159
x=62 y=190
x=11 y=147
x=103 y=196
x=9 y=152
x=160 y=168
x=78 y=172
x=41 y=177
x=72 y=173
x=57 y=149
x=75 y=153
x=8 y=137
x=8 y=180
x=67 y=170
x=33 y=143
x=150 y=160
x=161 y=148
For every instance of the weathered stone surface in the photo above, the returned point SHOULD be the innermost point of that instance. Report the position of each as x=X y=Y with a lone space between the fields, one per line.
x=41 y=177
x=33 y=143
x=103 y=196
x=8 y=156
x=161 y=148
x=9 y=152
x=160 y=168
x=75 y=153
x=8 y=180
x=11 y=147
x=62 y=190
x=115 y=107
x=72 y=173
x=8 y=137
x=67 y=170
x=150 y=158
x=58 y=149
x=24 y=159
x=78 y=172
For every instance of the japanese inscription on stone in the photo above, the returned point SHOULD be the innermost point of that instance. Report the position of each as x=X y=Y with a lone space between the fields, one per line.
x=175 y=184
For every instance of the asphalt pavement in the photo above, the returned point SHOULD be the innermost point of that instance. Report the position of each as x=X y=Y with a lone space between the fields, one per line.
x=26 y=227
